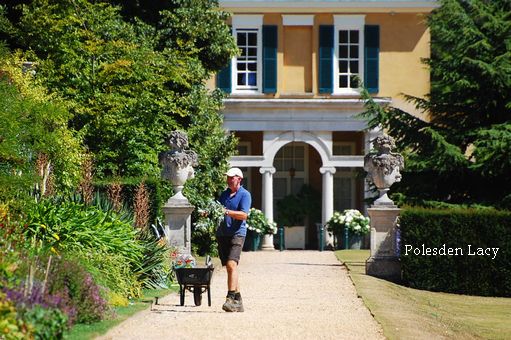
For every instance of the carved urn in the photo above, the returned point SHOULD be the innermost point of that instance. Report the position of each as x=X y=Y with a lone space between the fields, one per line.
x=384 y=167
x=178 y=162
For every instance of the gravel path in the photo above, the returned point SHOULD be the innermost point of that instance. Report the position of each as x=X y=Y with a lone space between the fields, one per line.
x=287 y=295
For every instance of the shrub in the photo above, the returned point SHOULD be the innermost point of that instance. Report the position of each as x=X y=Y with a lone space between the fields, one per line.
x=110 y=271
x=48 y=323
x=72 y=226
x=350 y=219
x=465 y=273
x=11 y=327
x=84 y=294
x=155 y=269
x=159 y=192
x=25 y=299
x=258 y=222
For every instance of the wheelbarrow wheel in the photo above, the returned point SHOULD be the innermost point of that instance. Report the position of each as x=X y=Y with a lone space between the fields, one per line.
x=197 y=295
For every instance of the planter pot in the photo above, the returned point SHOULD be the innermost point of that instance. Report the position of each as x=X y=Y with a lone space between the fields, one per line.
x=355 y=241
x=252 y=241
x=294 y=237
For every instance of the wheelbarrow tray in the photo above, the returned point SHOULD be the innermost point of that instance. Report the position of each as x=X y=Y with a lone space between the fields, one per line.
x=196 y=280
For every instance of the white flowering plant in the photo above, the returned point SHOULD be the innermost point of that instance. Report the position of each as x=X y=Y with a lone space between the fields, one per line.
x=352 y=219
x=258 y=222
x=210 y=216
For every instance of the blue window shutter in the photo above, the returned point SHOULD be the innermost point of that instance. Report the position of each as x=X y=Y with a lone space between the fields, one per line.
x=371 y=57
x=223 y=79
x=326 y=59
x=270 y=58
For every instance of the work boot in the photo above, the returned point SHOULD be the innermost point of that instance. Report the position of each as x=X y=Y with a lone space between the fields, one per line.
x=232 y=305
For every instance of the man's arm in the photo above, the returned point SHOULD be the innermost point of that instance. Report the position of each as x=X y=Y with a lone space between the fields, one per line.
x=236 y=214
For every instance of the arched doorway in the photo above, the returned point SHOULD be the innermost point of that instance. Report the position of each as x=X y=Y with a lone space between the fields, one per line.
x=297 y=188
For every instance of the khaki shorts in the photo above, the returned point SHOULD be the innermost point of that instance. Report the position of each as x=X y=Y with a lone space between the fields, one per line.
x=229 y=248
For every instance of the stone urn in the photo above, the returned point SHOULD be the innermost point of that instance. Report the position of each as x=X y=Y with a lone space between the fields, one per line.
x=178 y=162
x=177 y=167
x=384 y=168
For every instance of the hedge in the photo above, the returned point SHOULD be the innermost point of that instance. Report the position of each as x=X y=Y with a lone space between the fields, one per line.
x=159 y=192
x=455 y=251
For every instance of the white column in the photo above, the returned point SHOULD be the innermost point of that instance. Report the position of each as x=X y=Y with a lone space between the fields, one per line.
x=327 y=201
x=267 y=173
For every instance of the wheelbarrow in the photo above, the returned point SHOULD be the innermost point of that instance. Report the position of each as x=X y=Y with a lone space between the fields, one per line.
x=196 y=280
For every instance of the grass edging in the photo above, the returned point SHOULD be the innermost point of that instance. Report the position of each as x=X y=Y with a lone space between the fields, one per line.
x=89 y=331
x=406 y=313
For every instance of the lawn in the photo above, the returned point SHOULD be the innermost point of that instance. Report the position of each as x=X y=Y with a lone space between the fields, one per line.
x=407 y=313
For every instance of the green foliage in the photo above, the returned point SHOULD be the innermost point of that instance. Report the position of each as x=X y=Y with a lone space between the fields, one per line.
x=350 y=219
x=213 y=146
x=129 y=82
x=210 y=42
x=110 y=271
x=48 y=323
x=11 y=327
x=33 y=123
x=155 y=270
x=470 y=56
x=159 y=192
x=68 y=277
x=209 y=217
x=464 y=273
x=493 y=150
x=258 y=222
x=113 y=80
x=68 y=226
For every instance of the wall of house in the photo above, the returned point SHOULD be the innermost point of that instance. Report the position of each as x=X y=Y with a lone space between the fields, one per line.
x=404 y=40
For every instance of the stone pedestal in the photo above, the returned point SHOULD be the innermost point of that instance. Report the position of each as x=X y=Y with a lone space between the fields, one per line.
x=178 y=228
x=383 y=262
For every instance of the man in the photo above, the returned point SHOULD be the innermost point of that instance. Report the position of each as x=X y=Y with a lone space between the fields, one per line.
x=231 y=235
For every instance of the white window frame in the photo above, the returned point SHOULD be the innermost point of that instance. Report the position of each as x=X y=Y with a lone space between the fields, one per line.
x=354 y=23
x=248 y=22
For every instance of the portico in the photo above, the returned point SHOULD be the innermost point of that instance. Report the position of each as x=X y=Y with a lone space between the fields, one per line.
x=286 y=122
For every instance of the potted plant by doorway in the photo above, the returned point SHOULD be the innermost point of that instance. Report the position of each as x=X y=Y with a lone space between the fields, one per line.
x=352 y=221
x=258 y=226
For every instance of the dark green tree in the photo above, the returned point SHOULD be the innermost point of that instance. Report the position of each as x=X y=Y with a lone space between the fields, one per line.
x=461 y=153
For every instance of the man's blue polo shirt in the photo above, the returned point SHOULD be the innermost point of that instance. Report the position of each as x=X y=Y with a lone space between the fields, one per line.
x=241 y=201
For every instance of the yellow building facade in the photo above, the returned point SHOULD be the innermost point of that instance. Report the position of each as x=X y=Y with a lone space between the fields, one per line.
x=294 y=95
